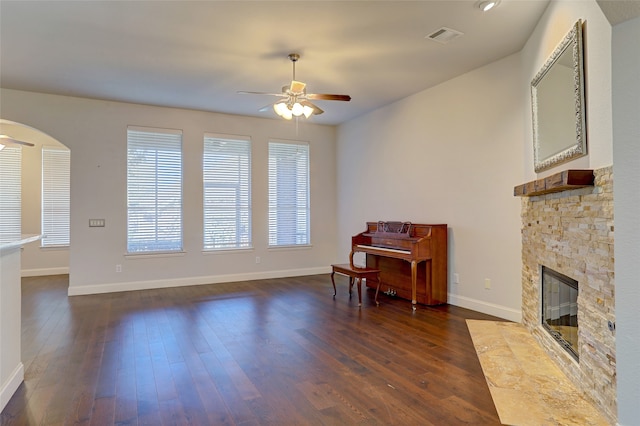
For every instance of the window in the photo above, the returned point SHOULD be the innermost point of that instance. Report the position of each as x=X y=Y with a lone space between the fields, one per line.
x=154 y=190
x=288 y=194
x=226 y=174
x=55 y=196
x=10 y=193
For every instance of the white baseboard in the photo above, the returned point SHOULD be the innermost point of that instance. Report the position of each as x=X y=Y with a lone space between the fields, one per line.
x=182 y=282
x=486 y=308
x=11 y=385
x=40 y=272
x=456 y=300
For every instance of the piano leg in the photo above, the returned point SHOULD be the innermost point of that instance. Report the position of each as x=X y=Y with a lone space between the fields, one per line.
x=414 y=277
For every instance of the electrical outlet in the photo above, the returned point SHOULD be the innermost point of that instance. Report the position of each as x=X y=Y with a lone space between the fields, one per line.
x=118 y=268
x=456 y=278
x=487 y=284
x=257 y=259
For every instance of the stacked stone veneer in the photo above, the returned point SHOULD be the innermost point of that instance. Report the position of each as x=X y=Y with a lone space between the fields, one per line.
x=572 y=233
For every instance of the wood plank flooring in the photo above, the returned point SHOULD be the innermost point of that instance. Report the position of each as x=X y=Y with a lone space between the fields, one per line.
x=268 y=352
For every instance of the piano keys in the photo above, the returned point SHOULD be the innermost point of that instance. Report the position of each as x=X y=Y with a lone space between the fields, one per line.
x=412 y=259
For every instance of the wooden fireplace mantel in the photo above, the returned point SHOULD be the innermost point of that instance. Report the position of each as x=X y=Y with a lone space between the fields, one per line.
x=563 y=181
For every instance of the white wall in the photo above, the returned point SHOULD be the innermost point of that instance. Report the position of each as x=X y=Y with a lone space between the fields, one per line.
x=453 y=154
x=95 y=131
x=626 y=154
x=450 y=154
x=11 y=367
x=553 y=26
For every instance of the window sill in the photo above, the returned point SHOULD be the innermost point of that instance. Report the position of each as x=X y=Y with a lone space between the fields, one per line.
x=292 y=247
x=227 y=251
x=55 y=248
x=135 y=256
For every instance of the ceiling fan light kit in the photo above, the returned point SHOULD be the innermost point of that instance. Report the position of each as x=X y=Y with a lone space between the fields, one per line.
x=295 y=99
x=288 y=111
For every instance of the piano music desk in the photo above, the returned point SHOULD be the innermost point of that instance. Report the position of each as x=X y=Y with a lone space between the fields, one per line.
x=357 y=274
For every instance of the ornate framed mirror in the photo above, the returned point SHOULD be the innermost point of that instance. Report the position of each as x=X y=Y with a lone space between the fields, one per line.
x=558 y=105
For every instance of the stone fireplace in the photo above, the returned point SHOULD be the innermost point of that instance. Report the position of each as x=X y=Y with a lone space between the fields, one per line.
x=571 y=232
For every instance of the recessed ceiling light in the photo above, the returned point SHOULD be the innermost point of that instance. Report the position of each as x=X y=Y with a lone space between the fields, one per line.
x=486 y=6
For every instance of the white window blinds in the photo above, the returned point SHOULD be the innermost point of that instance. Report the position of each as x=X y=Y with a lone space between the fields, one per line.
x=10 y=190
x=226 y=170
x=55 y=196
x=288 y=194
x=154 y=190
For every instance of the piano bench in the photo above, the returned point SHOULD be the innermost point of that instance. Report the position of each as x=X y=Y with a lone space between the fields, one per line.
x=356 y=273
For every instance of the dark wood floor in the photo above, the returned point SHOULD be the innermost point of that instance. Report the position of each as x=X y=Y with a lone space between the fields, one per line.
x=277 y=352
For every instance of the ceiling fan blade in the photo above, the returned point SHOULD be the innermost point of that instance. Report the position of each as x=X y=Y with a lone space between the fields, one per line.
x=8 y=140
x=244 y=92
x=316 y=109
x=266 y=108
x=328 y=97
x=297 y=87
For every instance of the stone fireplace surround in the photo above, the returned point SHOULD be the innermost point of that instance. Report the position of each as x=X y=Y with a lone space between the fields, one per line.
x=572 y=232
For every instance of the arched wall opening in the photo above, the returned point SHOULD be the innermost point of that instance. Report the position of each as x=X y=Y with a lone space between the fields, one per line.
x=36 y=259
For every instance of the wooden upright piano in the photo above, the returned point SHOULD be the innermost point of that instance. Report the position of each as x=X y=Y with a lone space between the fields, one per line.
x=412 y=259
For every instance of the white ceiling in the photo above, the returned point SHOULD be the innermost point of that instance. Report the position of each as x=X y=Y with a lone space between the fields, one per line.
x=198 y=54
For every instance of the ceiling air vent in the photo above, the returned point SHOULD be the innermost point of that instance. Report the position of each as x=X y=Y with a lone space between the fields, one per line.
x=444 y=35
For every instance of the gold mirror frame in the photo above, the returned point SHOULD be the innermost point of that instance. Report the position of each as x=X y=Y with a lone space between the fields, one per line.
x=558 y=104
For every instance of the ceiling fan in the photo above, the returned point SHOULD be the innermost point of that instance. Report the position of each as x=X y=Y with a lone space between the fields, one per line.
x=295 y=99
x=6 y=140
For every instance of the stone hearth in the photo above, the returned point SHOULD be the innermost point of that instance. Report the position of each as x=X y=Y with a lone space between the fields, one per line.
x=527 y=387
x=572 y=233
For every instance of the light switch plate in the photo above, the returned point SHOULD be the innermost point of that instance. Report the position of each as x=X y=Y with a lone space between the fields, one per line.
x=96 y=223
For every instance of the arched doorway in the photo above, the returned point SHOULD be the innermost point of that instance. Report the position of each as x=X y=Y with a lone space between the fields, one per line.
x=45 y=197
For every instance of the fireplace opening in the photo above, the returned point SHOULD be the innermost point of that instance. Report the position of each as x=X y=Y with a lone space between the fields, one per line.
x=560 y=309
